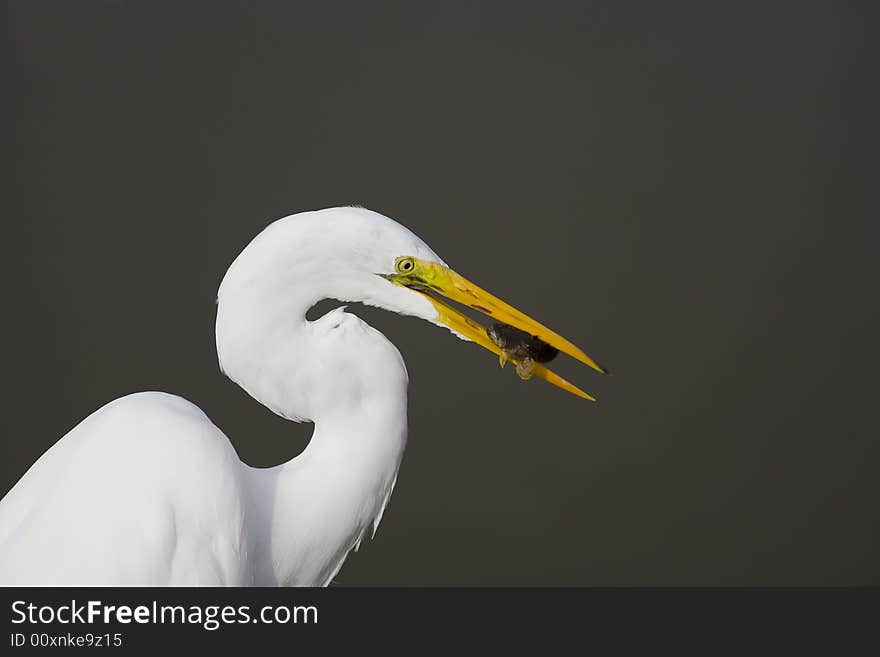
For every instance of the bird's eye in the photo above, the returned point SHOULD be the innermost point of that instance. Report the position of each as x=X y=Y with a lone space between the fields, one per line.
x=405 y=265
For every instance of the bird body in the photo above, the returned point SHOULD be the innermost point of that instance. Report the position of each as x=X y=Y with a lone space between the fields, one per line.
x=148 y=491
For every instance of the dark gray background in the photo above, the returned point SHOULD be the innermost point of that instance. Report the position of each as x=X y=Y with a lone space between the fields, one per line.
x=681 y=189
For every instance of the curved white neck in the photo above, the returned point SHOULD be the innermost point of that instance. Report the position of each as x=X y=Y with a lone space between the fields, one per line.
x=328 y=368
x=305 y=515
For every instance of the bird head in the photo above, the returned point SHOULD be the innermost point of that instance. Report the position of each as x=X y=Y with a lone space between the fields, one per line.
x=354 y=254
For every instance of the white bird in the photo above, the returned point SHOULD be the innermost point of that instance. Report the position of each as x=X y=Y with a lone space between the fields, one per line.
x=147 y=491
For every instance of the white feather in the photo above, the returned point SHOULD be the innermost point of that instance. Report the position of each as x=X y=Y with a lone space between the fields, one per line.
x=147 y=491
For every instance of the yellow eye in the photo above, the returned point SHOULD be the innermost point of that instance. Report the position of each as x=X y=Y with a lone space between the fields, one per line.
x=405 y=265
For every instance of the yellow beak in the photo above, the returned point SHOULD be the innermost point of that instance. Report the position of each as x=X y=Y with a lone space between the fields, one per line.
x=425 y=277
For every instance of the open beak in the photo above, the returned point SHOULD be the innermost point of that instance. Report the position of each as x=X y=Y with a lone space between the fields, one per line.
x=426 y=277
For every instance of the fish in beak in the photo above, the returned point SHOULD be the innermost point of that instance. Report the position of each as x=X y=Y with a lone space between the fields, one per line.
x=514 y=336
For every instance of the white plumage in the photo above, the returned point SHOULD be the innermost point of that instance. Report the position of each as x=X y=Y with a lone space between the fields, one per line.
x=147 y=491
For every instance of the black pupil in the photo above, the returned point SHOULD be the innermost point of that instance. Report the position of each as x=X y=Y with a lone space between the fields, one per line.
x=407 y=265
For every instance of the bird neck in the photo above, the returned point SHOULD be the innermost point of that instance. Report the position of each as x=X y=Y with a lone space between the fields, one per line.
x=336 y=371
x=326 y=371
x=346 y=377
x=306 y=515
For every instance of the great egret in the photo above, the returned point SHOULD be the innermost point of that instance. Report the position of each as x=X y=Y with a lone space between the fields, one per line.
x=147 y=491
